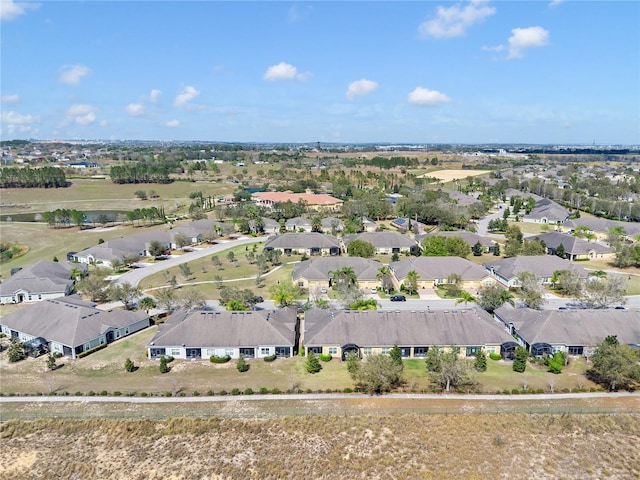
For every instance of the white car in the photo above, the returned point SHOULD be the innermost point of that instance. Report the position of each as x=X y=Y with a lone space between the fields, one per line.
x=323 y=290
x=374 y=290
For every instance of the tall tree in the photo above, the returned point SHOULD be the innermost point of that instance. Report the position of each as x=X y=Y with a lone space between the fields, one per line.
x=411 y=282
x=377 y=375
x=384 y=275
x=360 y=248
x=531 y=291
x=513 y=243
x=615 y=366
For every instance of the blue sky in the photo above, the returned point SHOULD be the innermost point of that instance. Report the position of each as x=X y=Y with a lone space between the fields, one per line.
x=564 y=72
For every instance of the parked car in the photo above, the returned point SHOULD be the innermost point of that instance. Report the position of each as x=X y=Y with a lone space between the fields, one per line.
x=374 y=290
x=398 y=298
x=323 y=290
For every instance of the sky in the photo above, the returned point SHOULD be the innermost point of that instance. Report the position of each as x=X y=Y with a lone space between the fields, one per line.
x=415 y=72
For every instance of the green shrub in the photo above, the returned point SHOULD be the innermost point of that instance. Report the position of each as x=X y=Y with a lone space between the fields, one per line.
x=241 y=364
x=506 y=391
x=196 y=393
x=270 y=358
x=91 y=350
x=91 y=393
x=223 y=393
x=103 y=393
x=275 y=391
x=168 y=394
x=210 y=393
x=248 y=391
x=144 y=394
x=264 y=390
x=77 y=394
x=326 y=358
x=169 y=358
x=347 y=390
x=540 y=390
x=495 y=356
x=235 y=391
x=117 y=393
x=216 y=359
x=515 y=391
x=57 y=355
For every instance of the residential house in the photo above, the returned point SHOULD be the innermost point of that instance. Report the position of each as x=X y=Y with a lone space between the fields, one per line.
x=405 y=224
x=40 y=281
x=601 y=226
x=461 y=199
x=470 y=239
x=313 y=201
x=304 y=244
x=196 y=334
x=70 y=326
x=435 y=271
x=575 y=248
x=298 y=224
x=371 y=332
x=332 y=225
x=269 y=226
x=547 y=211
x=506 y=270
x=132 y=246
x=510 y=193
x=385 y=243
x=317 y=273
x=574 y=332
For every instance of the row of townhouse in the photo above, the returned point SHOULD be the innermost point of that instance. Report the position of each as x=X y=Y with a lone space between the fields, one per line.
x=71 y=326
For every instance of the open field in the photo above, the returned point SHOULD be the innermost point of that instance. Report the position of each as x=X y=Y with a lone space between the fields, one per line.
x=450 y=175
x=369 y=445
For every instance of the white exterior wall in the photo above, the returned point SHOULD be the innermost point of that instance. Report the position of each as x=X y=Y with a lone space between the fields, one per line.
x=35 y=297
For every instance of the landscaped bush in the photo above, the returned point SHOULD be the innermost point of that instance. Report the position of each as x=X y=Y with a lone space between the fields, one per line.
x=264 y=390
x=210 y=393
x=196 y=393
x=326 y=358
x=117 y=393
x=144 y=394
x=169 y=358
x=78 y=394
x=91 y=393
x=91 y=350
x=224 y=392
x=270 y=358
x=235 y=391
x=216 y=359
x=495 y=356
x=275 y=391
x=347 y=390
x=104 y=393
x=248 y=391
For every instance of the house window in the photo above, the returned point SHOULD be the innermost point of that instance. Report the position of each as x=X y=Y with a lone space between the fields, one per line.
x=228 y=351
x=39 y=297
x=385 y=350
x=405 y=352
x=471 y=351
x=316 y=350
x=283 y=351
x=265 y=351
x=367 y=351
x=576 y=350
x=333 y=350
x=490 y=349
x=174 y=352
x=420 y=351
x=29 y=297
x=301 y=284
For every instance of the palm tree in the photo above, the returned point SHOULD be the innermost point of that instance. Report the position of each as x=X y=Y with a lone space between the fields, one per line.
x=316 y=224
x=411 y=282
x=146 y=304
x=344 y=277
x=384 y=275
x=465 y=297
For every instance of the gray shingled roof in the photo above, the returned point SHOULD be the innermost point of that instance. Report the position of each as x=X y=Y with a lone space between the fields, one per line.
x=298 y=222
x=571 y=244
x=319 y=268
x=539 y=265
x=68 y=323
x=438 y=267
x=225 y=329
x=549 y=209
x=385 y=328
x=41 y=277
x=573 y=327
x=603 y=225
x=381 y=239
x=301 y=240
x=326 y=223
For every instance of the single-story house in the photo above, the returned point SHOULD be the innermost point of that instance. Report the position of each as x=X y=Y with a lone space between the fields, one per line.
x=575 y=332
x=316 y=273
x=470 y=239
x=575 y=248
x=198 y=230
x=304 y=244
x=370 y=332
x=542 y=266
x=132 y=245
x=40 y=281
x=405 y=224
x=269 y=226
x=384 y=242
x=510 y=193
x=195 y=334
x=298 y=224
x=71 y=326
x=332 y=225
x=434 y=271
x=547 y=211
x=602 y=226
x=460 y=198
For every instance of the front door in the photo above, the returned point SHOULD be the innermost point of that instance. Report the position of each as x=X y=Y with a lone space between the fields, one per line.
x=110 y=337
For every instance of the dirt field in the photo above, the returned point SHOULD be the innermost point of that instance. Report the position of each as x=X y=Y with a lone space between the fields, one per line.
x=450 y=175
x=371 y=446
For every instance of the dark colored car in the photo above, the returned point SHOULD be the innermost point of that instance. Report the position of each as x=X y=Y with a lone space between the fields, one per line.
x=398 y=298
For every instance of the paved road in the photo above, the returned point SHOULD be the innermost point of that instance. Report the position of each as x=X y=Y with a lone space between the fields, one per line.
x=134 y=277
x=316 y=396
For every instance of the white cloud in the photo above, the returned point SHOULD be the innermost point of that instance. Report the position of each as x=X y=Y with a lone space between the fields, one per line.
x=428 y=98
x=454 y=21
x=15 y=98
x=72 y=74
x=154 y=95
x=497 y=48
x=555 y=3
x=15 y=118
x=360 y=88
x=173 y=123
x=523 y=38
x=81 y=113
x=10 y=10
x=187 y=94
x=135 y=109
x=296 y=14
x=284 y=71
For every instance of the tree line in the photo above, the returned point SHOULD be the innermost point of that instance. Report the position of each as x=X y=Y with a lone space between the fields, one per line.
x=45 y=177
x=139 y=173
